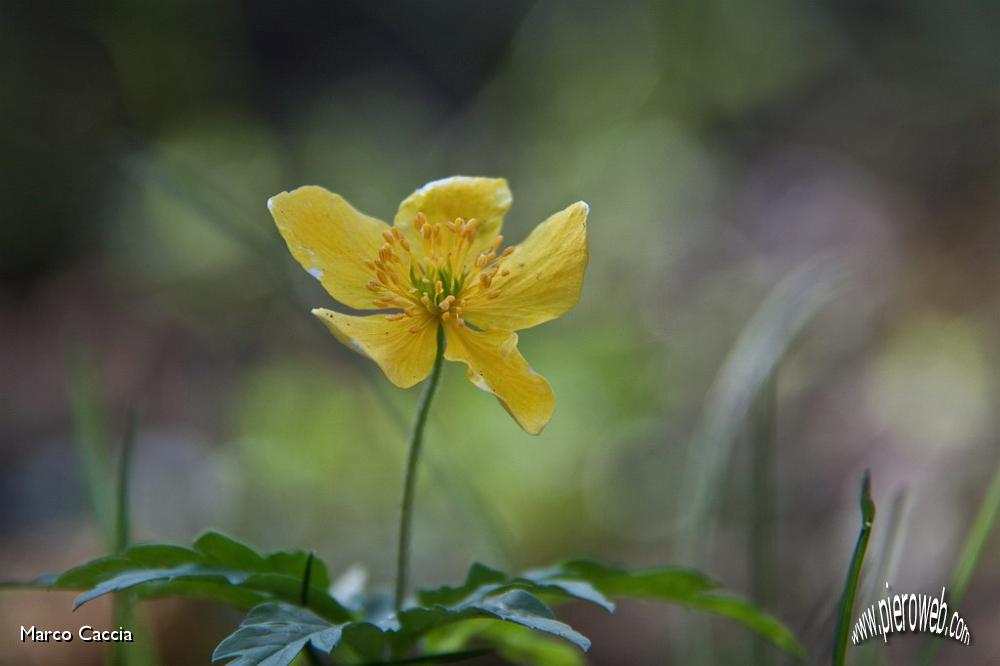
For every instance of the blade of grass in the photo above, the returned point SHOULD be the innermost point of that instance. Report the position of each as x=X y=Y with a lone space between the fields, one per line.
x=124 y=611
x=122 y=515
x=892 y=546
x=763 y=342
x=972 y=549
x=91 y=439
x=854 y=573
x=107 y=489
x=761 y=538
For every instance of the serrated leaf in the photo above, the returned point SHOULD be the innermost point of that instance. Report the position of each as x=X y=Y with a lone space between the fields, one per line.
x=483 y=581
x=574 y=589
x=667 y=583
x=240 y=597
x=225 y=551
x=274 y=634
x=293 y=563
x=132 y=578
x=479 y=575
x=516 y=606
x=680 y=585
x=217 y=568
x=747 y=614
x=132 y=558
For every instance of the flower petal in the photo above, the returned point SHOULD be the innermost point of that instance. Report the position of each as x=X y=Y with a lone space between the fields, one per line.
x=405 y=356
x=331 y=240
x=485 y=199
x=496 y=366
x=545 y=276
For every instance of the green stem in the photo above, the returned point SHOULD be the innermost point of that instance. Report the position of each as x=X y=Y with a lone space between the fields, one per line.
x=410 y=481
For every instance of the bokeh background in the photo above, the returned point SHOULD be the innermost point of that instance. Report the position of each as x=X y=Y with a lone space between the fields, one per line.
x=731 y=152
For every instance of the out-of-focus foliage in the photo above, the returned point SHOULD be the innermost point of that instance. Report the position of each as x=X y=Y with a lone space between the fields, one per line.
x=720 y=145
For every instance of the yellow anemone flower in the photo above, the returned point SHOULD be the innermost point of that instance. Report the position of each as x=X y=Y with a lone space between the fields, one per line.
x=441 y=265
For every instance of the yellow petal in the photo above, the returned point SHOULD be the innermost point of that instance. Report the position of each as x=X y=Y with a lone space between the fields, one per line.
x=544 y=280
x=485 y=199
x=331 y=240
x=405 y=356
x=496 y=366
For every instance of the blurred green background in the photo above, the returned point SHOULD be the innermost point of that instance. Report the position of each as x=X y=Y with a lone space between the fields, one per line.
x=721 y=145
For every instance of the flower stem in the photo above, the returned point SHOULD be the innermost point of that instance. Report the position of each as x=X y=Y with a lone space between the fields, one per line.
x=410 y=481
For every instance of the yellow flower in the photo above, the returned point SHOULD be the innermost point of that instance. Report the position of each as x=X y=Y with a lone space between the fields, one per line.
x=440 y=264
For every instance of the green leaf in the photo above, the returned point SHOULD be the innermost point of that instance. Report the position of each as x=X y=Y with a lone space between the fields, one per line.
x=135 y=557
x=478 y=576
x=516 y=644
x=680 y=585
x=663 y=583
x=204 y=589
x=565 y=589
x=222 y=550
x=482 y=581
x=217 y=568
x=275 y=634
x=594 y=581
x=517 y=606
x=743 y=611
x=436 y=658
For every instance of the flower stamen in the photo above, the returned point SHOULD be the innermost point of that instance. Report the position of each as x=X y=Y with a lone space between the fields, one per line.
x=438 y=279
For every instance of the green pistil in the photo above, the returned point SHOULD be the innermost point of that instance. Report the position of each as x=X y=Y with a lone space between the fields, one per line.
x=451 y=285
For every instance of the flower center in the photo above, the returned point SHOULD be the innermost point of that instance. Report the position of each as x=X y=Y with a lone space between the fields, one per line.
x=436 y=278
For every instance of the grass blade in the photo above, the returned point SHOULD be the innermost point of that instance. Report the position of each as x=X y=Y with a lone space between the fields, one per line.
x=854 y=573
x=753 y=360
x=886 y=561
x=789 y=306
x=123 y=611
x=91 y=439
x=107 y=490
x=982 y=526
x=762 y=554
x=972 y=549
x=122 y=514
